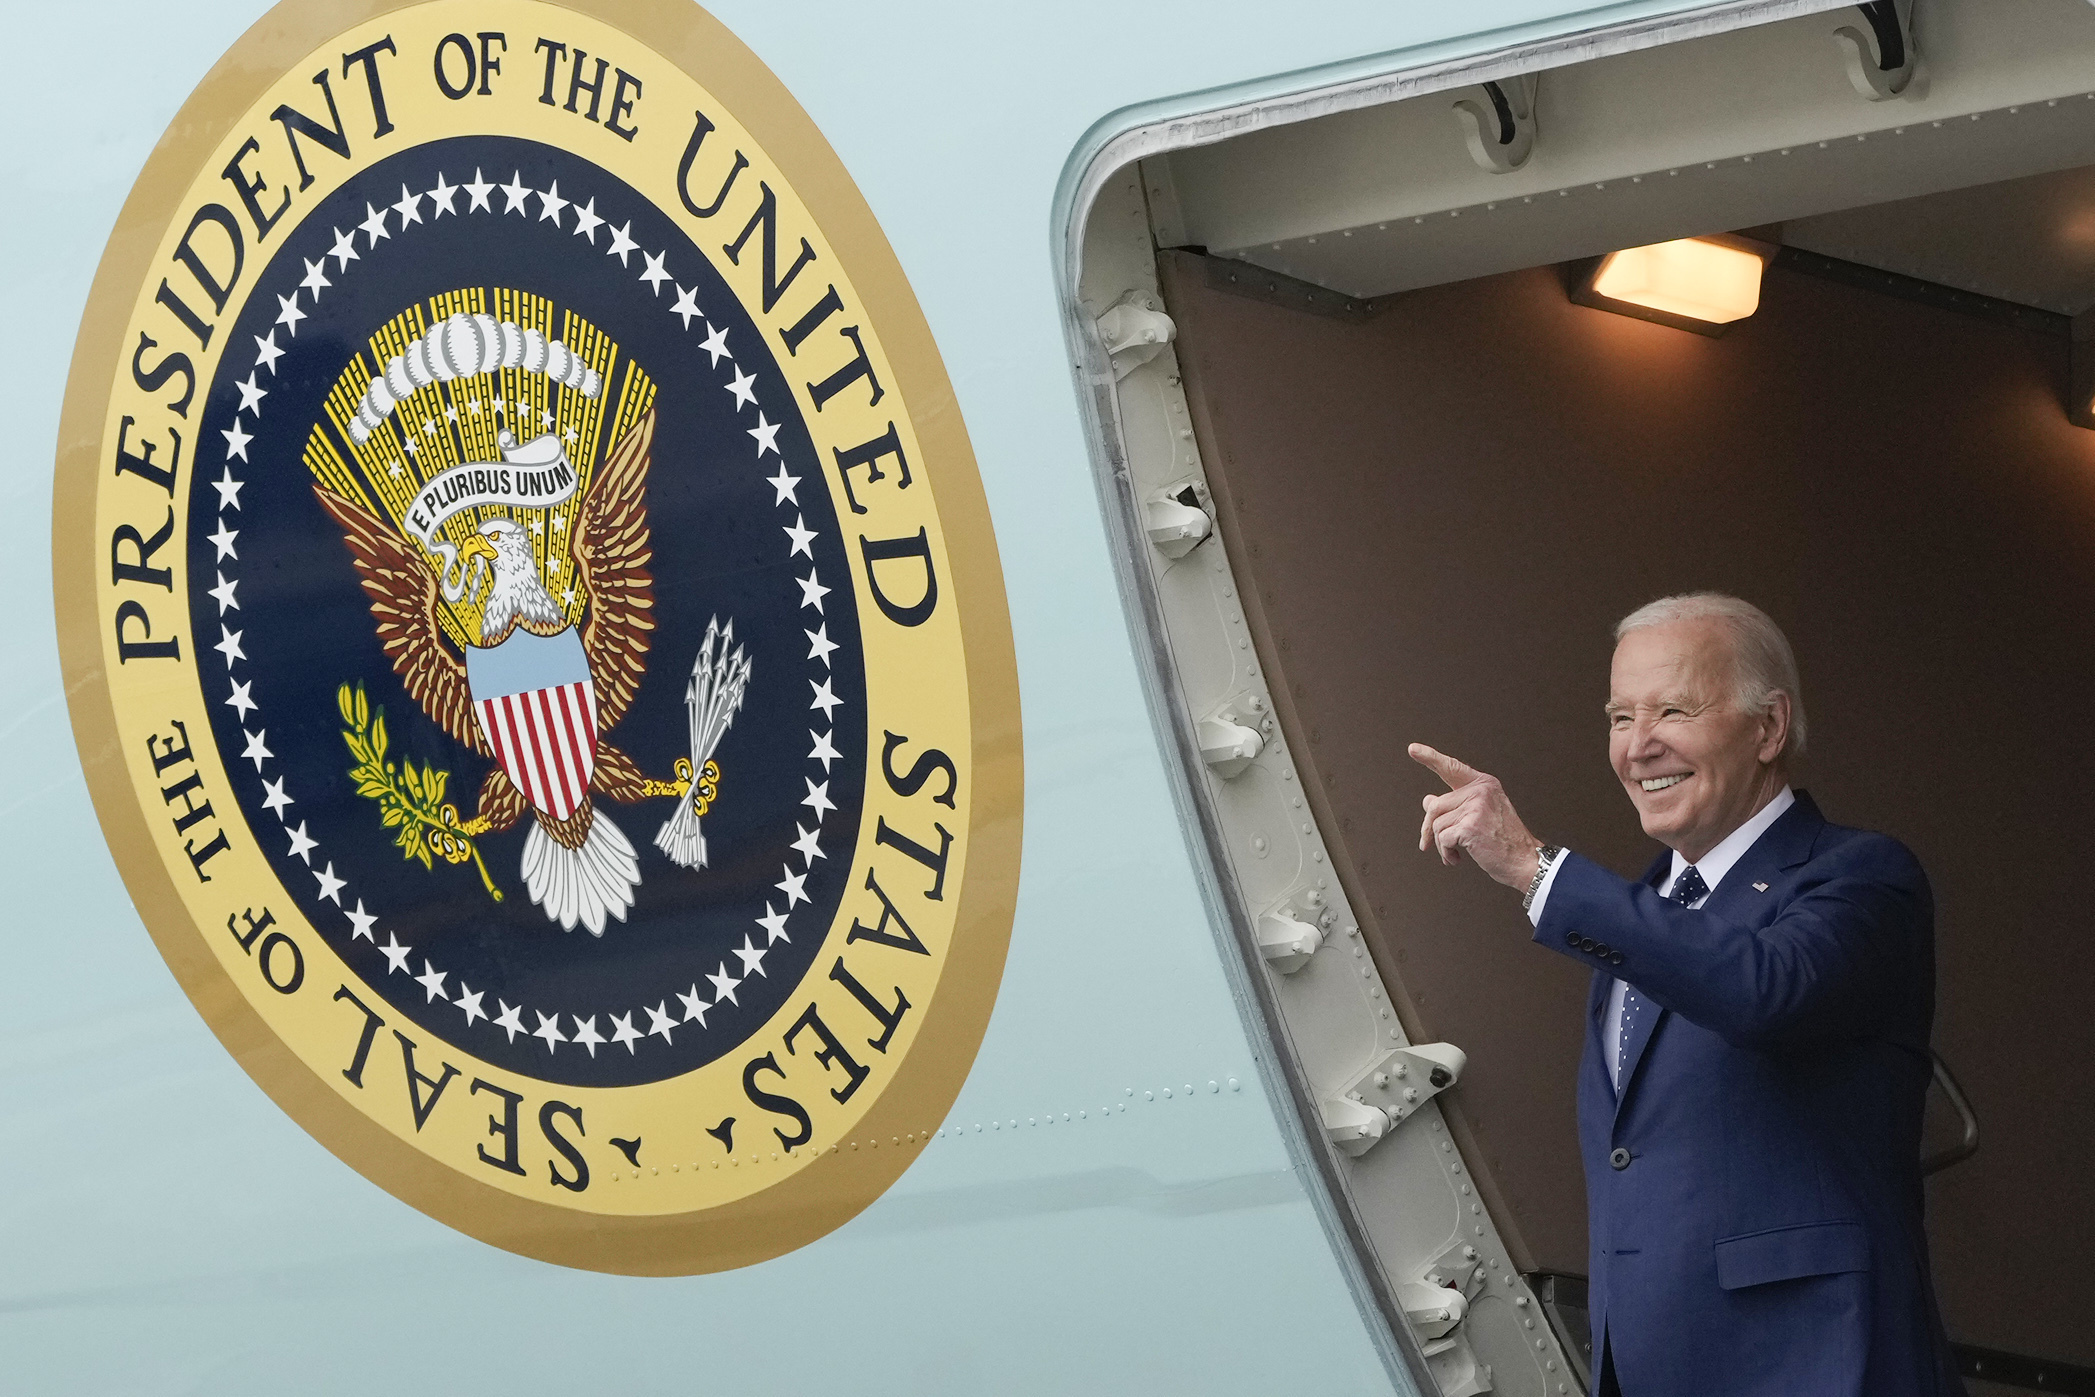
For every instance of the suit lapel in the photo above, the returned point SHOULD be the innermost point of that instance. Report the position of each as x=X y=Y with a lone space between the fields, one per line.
x=1596 y=1025
x=1641 y=1030
x=1787 y=843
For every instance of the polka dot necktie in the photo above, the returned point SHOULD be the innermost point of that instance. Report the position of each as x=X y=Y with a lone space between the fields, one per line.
x=1688 y=889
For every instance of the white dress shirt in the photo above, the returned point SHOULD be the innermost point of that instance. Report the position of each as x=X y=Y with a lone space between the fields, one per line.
x=1713 y=866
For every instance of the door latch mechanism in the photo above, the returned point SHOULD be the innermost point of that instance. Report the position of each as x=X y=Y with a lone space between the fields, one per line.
x=1389 y=1092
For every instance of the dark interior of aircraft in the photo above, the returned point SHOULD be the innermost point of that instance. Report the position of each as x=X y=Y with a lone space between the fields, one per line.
x=1443 y=499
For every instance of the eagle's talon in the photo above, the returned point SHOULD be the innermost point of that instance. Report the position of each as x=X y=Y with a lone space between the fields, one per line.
x=702 y=786
x=706 y=788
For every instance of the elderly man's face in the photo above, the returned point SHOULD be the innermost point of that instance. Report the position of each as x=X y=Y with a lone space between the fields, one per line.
x=1695 y=766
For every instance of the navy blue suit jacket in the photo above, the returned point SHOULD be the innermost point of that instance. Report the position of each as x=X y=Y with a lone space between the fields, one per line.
x=1762 y=1234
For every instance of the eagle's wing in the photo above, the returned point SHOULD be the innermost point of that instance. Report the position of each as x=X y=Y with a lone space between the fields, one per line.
x=611 y=551
x=403 y=592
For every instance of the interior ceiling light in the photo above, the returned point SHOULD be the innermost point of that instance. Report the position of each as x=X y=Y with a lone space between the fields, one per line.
x=1700 y=284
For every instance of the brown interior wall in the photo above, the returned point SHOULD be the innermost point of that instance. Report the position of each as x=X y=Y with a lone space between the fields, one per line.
x=1440 y=514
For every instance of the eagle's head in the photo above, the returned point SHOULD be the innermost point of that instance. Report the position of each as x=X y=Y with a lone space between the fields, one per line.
x=504 y=543
x=517 y=594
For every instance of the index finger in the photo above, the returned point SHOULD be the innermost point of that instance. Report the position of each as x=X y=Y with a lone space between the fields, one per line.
x=1456 y=773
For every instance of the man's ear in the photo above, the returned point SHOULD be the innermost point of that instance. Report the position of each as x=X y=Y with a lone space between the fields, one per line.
x=1774 y=731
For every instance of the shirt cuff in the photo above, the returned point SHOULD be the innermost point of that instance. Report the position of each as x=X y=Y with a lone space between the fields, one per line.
x=1549 y=880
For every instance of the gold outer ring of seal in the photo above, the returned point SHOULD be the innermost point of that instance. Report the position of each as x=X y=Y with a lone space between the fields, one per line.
x=815 y=1200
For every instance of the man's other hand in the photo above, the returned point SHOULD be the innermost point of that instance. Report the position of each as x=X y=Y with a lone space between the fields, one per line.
x=1475 y=817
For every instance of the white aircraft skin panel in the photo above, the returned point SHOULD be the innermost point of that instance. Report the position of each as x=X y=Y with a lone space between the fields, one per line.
x=172 y=1231
x=1337 y=204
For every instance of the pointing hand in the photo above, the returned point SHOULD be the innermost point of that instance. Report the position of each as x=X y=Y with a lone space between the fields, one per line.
x=1474 y=816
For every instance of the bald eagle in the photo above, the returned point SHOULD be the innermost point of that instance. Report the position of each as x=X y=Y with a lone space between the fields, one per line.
x=535 y=693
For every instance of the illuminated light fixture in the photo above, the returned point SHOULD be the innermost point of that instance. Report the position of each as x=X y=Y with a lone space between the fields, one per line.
x=1699 y=284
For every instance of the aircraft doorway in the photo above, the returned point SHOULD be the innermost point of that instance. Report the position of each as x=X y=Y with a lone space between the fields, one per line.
x=1442 y=512
x=1435 y=481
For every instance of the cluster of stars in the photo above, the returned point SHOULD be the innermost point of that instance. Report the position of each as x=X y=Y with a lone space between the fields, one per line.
x=672 y=1012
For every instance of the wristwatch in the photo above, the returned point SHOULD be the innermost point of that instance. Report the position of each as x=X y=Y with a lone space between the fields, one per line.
x=1548 y=855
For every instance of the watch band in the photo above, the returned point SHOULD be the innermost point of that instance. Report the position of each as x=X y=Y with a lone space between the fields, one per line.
x=1544 y=859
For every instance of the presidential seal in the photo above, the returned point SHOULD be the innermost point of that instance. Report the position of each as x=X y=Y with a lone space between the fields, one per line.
x=534 y=632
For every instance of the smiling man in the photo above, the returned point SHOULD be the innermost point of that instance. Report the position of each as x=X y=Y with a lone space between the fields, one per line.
x=1757 y=1040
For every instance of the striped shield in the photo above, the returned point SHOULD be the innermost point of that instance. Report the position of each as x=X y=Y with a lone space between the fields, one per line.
x=537 y=710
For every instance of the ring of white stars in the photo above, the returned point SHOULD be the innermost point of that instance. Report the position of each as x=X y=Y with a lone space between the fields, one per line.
x=686 y=1010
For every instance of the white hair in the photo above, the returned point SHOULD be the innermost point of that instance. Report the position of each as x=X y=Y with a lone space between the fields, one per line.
x=1762 y=662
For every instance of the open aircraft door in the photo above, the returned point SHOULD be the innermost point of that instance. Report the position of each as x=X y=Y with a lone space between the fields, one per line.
x=1378 y=470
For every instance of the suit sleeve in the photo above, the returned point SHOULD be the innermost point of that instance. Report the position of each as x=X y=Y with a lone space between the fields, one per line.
x=1833 y=963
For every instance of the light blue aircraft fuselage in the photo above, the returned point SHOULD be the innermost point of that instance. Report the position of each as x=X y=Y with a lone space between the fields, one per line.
x=1122 y=1200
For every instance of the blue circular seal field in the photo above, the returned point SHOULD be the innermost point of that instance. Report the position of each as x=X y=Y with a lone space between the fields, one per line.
x=670 y=648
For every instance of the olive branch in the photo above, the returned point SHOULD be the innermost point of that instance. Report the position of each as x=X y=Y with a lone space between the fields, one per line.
x=410 y=801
